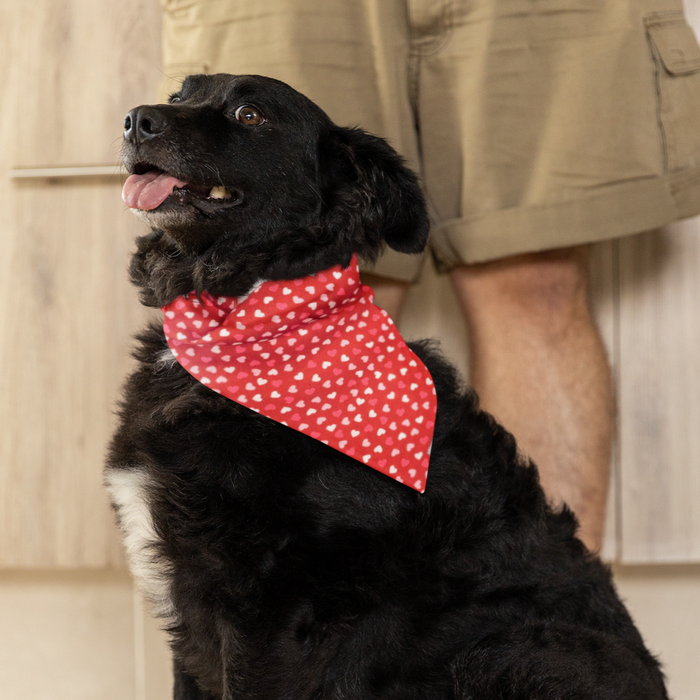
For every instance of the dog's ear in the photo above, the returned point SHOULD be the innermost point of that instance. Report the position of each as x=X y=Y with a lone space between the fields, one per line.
x=368 y=188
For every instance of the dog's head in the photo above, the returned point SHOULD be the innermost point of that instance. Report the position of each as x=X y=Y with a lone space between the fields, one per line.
x=242 y=178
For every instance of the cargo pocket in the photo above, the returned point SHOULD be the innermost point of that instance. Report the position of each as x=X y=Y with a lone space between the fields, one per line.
x=677 y=58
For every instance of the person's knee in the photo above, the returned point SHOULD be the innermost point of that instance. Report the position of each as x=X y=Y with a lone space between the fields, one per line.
x=546 y=285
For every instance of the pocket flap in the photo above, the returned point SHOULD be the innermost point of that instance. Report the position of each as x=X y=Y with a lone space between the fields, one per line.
x=675 y=43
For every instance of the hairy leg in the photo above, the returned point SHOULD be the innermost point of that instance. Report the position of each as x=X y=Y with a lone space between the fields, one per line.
x=539 y=366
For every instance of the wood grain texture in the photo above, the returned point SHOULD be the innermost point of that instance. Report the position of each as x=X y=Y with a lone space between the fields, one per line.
x=660 y=395
x=154 y=666
x=72 y=71
x=66 y=636
x=80 y=66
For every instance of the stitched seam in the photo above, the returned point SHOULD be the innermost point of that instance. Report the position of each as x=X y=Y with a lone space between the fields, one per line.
x=659 y=101
x=660 y=18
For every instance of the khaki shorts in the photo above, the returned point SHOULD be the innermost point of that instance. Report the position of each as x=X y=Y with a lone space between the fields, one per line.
x=533 y=125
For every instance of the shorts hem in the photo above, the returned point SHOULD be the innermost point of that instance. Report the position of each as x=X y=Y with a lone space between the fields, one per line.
x=396 y=266
x=623 y=209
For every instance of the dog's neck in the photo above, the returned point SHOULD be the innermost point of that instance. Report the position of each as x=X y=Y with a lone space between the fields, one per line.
x=163 y=270
x=316 y=355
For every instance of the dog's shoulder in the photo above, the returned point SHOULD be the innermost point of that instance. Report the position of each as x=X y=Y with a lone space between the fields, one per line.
x=160 y=386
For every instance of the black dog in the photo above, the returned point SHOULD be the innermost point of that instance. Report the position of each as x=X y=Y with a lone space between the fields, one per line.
x=283 y=568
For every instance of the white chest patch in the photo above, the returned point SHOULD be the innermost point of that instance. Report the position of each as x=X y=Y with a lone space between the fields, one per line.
x=129 y=492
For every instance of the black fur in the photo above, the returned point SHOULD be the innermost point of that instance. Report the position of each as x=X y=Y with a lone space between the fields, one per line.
x=297 y=572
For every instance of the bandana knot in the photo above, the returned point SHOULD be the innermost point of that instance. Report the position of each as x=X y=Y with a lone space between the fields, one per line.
x=316 y=355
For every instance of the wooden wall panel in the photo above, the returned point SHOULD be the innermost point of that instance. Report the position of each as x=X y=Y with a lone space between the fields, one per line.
x=67 y=636
x=664 y=602
x=64 y=353
x=154 y=666
x=73 y=69
x=660 y=395
x=80 y=66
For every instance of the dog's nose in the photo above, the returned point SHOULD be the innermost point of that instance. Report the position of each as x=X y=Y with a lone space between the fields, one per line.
x=143 y=124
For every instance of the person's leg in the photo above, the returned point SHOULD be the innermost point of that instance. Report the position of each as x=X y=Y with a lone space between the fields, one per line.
x=539 y=366
x=389 y=294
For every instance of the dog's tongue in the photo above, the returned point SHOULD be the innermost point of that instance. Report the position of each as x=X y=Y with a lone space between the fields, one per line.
x=150 y=190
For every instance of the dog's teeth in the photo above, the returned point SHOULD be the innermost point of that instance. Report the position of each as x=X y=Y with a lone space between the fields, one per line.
x=219 y=192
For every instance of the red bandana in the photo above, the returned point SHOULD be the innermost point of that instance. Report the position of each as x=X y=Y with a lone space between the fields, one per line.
x=316 y=355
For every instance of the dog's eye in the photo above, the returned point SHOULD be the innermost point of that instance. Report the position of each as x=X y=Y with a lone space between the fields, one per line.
x=174 y=98
x=247 y=114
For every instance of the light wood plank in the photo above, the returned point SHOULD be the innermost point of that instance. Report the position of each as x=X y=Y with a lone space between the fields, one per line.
x=153 y=657
x=64 y=352
x=66 y=636
x=81 y=66
x=664 y=602
x=70 y=71
x=660 y=395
